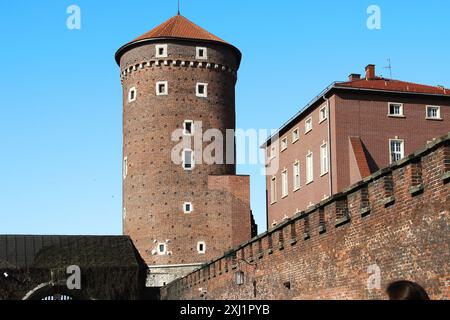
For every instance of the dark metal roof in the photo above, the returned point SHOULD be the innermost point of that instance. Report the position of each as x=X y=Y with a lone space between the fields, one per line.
x=28 y=251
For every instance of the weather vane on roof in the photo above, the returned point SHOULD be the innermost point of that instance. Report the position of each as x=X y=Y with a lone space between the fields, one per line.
x=178 y=7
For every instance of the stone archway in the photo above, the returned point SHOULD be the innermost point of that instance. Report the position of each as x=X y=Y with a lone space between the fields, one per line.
x=51 y=292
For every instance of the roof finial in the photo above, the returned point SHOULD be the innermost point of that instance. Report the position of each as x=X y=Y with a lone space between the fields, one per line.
x=178 y=7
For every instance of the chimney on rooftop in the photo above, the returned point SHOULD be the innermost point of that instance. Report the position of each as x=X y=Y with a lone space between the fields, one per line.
x=370 y=72
x=354 y=77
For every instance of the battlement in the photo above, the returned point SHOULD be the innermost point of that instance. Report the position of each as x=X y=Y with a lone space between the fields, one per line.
x=391 y=225
x=128 y=70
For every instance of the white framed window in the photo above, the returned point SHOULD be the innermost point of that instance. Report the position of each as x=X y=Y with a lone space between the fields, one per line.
x=323 y=114
x=284 y=184
x=162 y=88
x=309 y=168
x=295 y=135
x=132 y=94
x=201 y=247
x=273 y=190
x=125 y=167
x=308 y=125
x=162 y=249
x=188 y=127
x=324 y=159
x=188 y=159
x=433 y=113
x=161 y=51
x=201 y=53
x=272 y=153
x=396 y=149
x=296 y=175
x=188 y=207
x=284 y=144
x=201 y=90
x=395 y=109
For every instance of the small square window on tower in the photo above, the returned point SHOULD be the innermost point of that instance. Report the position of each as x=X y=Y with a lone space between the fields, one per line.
x=132 y=94
x=201 y=247
x=202 y=53
x=188 y=207
x=161 y=51
x=162 y=249
x=188 y=128
x=162 y=88
x=202 y=90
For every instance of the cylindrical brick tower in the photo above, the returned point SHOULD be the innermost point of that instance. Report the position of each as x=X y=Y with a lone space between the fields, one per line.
x=179 y=76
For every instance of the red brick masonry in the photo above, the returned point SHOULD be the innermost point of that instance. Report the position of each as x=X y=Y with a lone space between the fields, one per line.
x=395 y=221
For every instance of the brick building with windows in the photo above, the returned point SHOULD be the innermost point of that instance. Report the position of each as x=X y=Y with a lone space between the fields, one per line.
x=347 y=133
x=180 y=78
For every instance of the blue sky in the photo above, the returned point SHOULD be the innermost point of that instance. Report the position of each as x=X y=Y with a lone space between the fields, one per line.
x=60 y=122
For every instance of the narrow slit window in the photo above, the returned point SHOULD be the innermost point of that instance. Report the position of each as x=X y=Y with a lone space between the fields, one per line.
x=132 y=95
x=309 y=168
x=125 y=168
x=188 y=128
x=284 y=184
x=188 y=159
x=273 y=190
x=296 y=176
x=324 y=159
x=201 y=247
x=188 y=208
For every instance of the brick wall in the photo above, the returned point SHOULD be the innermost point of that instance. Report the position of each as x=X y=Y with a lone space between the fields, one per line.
x=394 y=225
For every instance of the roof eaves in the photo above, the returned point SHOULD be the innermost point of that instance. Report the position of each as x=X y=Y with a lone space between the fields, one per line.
x=133 y=44
x=390 y=91
x=287 y=123
x=336 y=85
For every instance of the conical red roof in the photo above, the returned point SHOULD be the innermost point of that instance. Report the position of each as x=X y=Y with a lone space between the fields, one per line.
x=179 y=27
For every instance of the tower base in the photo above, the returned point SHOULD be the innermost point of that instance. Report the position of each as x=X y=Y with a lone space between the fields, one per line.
x=159 y=276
